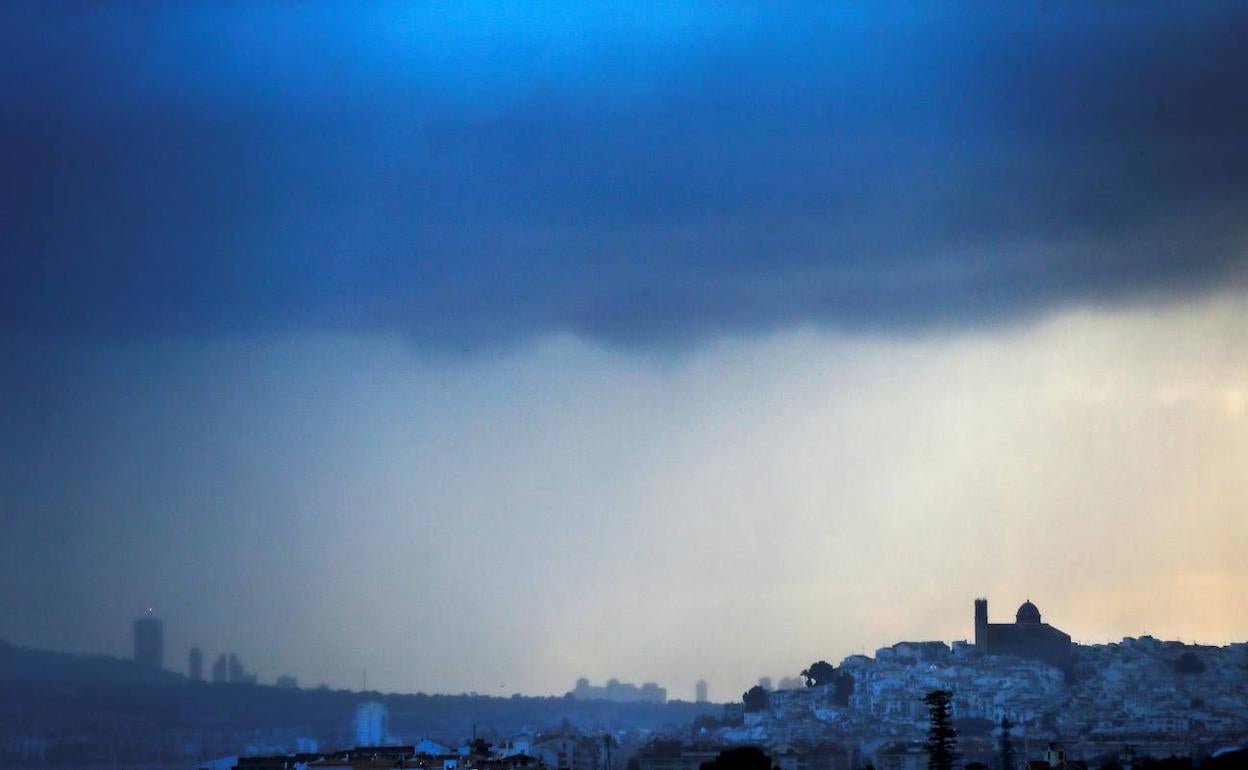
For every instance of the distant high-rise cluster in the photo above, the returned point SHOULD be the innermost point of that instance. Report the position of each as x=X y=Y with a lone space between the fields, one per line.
x=220 y=671
x=783 y=683
x=228 y=669
x=149 y=641
x=149 y=650
x=620 y=692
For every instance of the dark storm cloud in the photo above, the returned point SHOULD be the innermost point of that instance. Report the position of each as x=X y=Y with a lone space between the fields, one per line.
x=482 y=173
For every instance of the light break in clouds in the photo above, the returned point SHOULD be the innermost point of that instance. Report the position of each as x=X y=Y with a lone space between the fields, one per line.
x=325 y=503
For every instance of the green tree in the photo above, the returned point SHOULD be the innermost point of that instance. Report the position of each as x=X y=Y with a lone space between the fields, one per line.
x=755 y=699
x=1006 y=744
x=942 y=739
x=822 y=673
x=1189 y=663
x=819 y=673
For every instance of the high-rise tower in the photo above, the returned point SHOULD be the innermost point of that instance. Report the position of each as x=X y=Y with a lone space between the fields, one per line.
x=221 y=670
x=195 y=665
x=981 y=623
x=149 y=641
x=372 y=724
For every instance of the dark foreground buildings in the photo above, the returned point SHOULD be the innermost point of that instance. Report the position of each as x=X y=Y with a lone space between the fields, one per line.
x=1026 y=637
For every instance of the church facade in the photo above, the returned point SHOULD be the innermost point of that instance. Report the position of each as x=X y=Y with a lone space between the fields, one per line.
x=1026 y=637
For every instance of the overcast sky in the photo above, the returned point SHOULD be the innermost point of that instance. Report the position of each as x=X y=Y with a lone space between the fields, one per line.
x=491 y=345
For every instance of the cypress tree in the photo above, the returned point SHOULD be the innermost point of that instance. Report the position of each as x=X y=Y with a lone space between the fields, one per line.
x=942 y=739
x=1007 y=745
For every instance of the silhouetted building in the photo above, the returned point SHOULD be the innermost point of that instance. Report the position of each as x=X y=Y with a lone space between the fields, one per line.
x=195 y=665
x=667 y=754
x=1055 y=759
x=287 y=682
x=901 y=755
x=238 y=673
x=567 y=749
x=220 y=670
x=700 y=694
x=1026 y=637
x=149 y=641
x=811 y=756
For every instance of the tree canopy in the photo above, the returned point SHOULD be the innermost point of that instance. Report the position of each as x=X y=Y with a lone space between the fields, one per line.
x=1189 y=663
x=822 y=673
x=819 y=673
x=755 y=698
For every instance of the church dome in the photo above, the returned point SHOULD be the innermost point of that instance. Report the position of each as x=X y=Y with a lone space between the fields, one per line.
x=1027 y=613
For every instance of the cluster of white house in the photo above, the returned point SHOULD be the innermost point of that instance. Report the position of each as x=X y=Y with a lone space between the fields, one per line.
x=1160 y=697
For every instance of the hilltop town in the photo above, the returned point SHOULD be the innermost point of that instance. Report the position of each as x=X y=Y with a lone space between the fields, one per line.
x=1138 y=696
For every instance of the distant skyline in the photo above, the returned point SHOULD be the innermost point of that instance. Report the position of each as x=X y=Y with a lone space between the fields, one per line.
x=490 y=346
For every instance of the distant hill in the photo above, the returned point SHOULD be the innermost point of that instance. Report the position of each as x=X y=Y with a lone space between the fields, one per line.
x=24 y=664
x=97 y=709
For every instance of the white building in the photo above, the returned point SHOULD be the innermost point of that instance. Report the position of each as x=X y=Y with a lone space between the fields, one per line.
x=372 y=724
